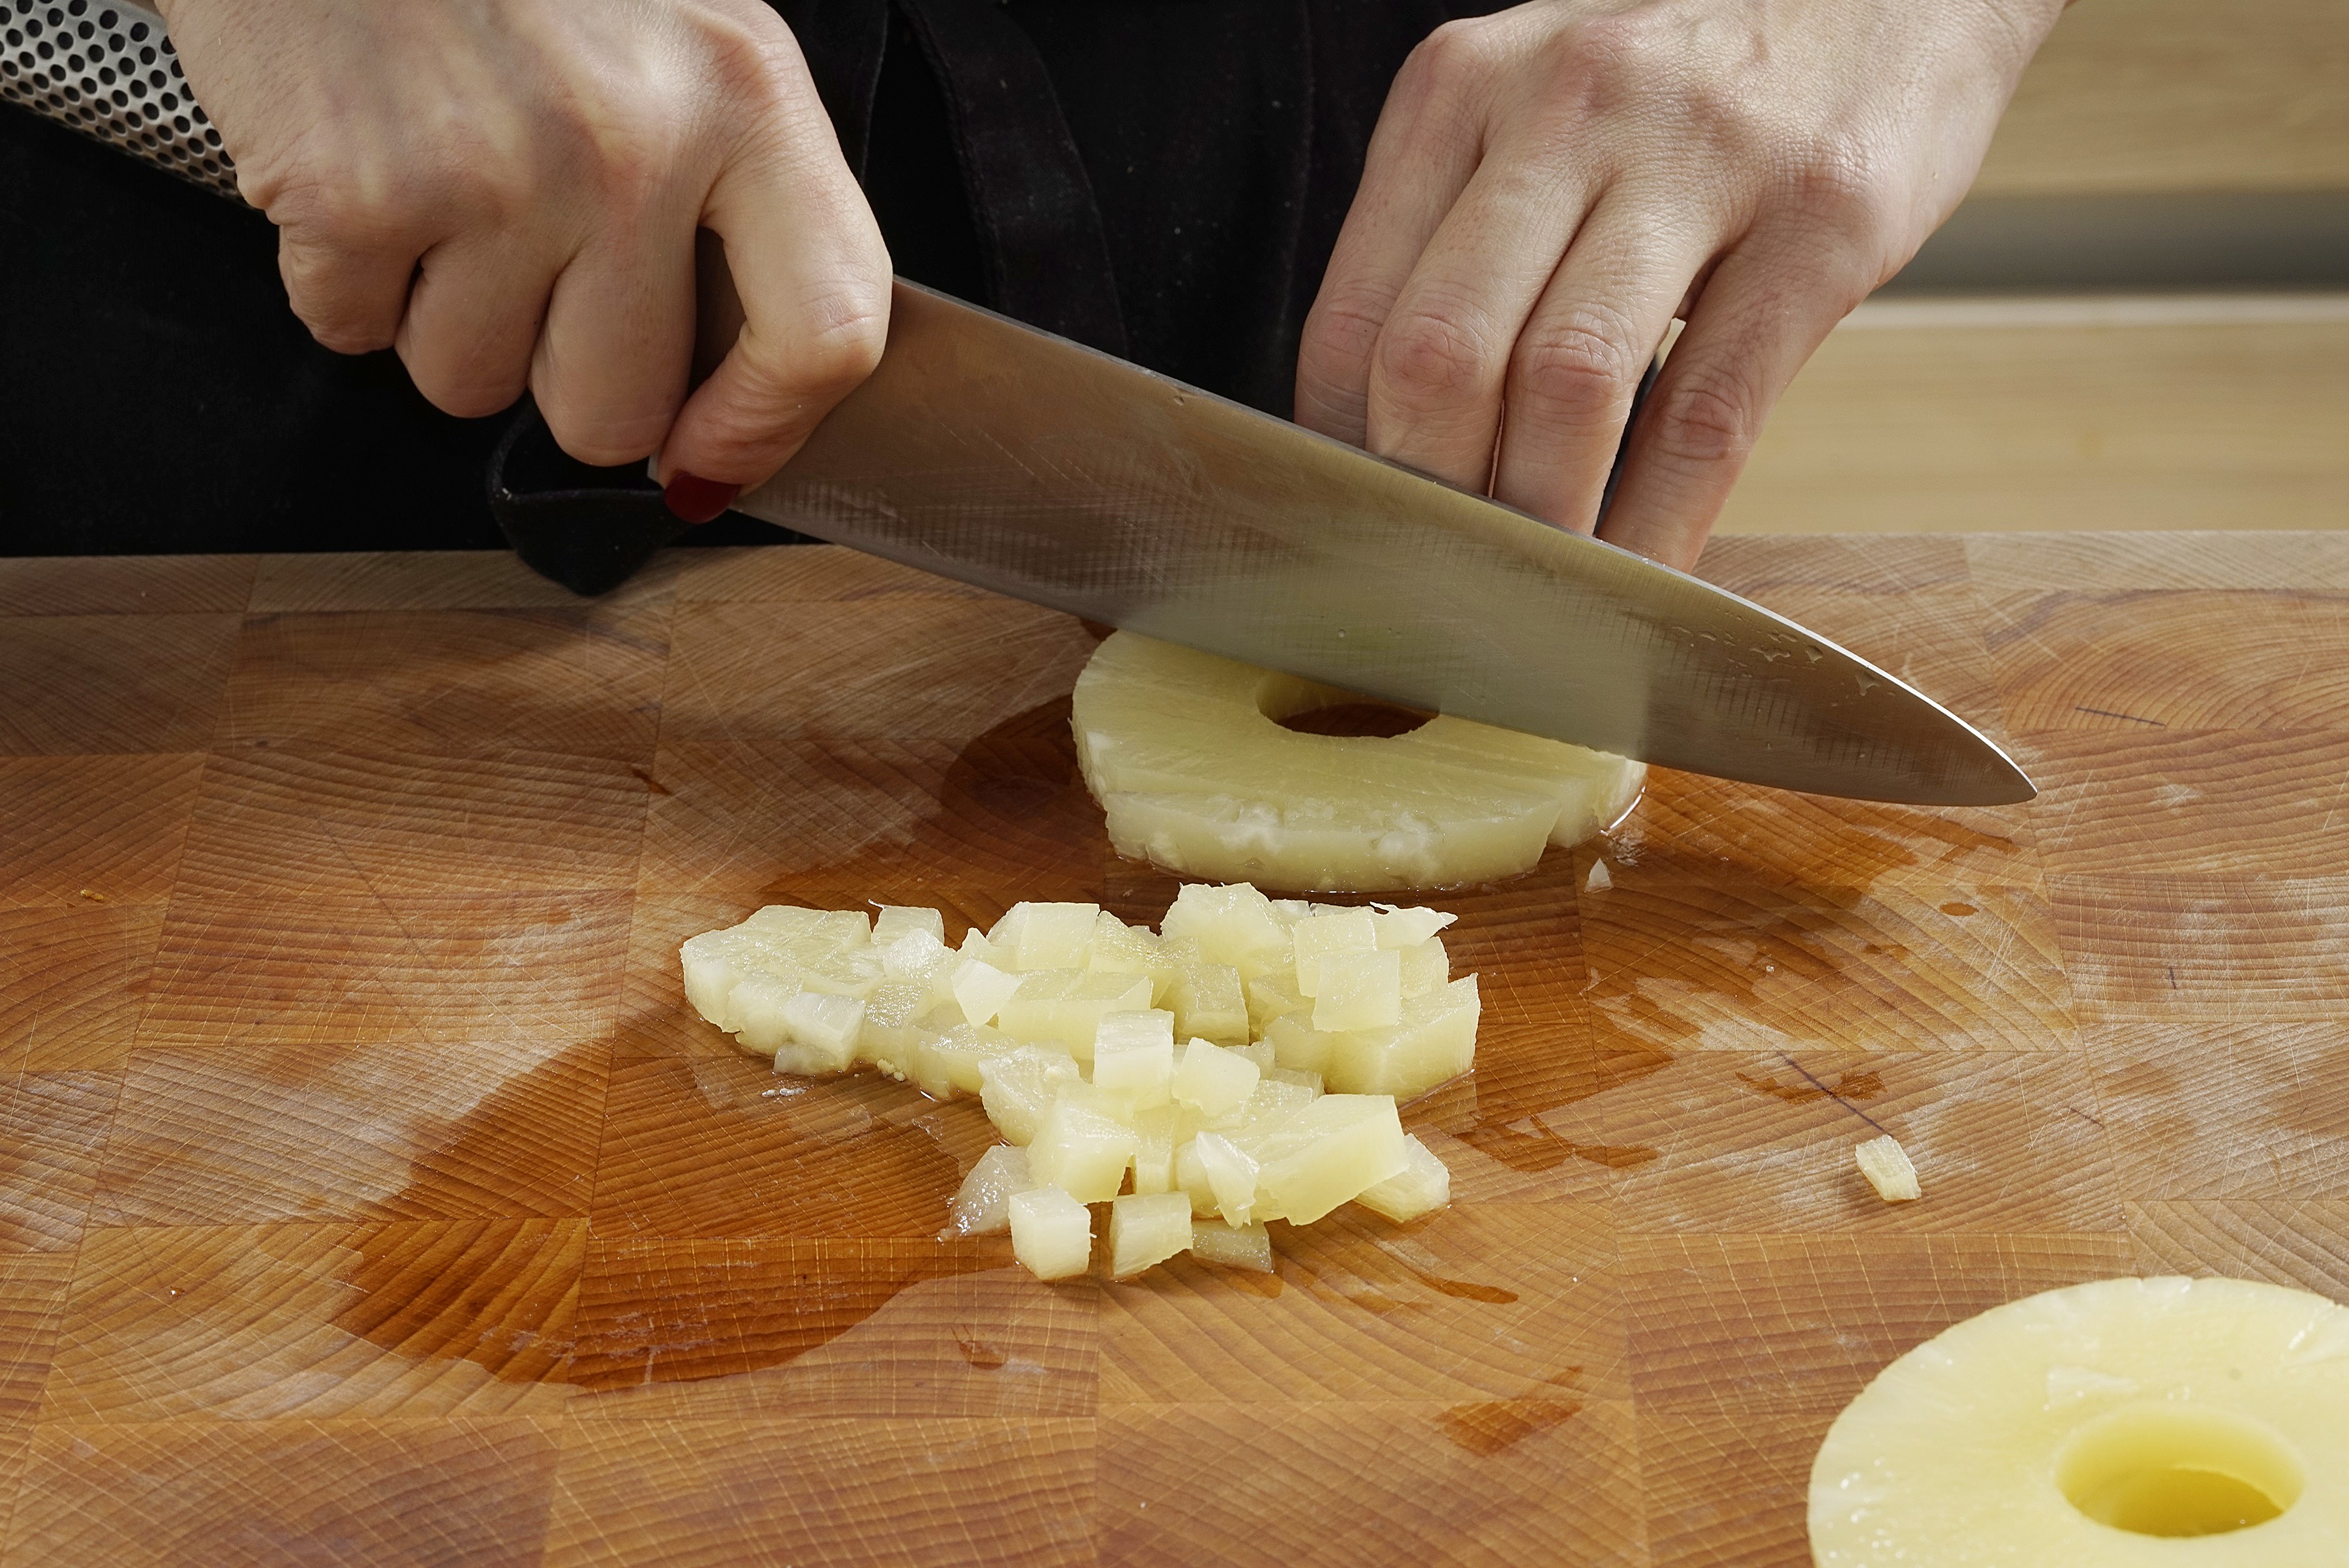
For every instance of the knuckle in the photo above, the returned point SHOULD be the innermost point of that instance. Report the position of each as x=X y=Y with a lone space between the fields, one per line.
x=1581 y=366
x=1705 y=416
x=598 y=438
x=465 y=391
x=1344 y=334
x=1428 y=358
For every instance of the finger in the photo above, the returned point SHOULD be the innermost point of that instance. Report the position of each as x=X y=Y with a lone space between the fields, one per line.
x=1443 y=356
x=1421 y=155
x=1761 y=315
x=472 y=319
x=351 y=299
x=610 y=370
x=1575 y=366
x=813 y=275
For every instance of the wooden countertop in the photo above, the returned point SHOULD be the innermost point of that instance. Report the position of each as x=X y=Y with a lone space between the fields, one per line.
x=367 y=1194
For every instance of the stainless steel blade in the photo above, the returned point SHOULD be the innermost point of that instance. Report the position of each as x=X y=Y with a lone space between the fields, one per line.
x=991 y=452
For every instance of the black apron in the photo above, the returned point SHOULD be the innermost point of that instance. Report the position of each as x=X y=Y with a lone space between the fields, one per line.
x=1161 y=178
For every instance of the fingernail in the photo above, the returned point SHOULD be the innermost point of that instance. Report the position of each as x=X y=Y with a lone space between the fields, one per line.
x=697 y=500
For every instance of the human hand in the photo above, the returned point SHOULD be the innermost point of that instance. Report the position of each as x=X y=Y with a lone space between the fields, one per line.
x=507 y=191
x=1549 y=187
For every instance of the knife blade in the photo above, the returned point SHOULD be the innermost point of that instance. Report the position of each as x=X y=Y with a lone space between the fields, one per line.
x=987 y=451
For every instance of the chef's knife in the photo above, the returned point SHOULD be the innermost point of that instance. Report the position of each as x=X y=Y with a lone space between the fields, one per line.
x=988 y=451
x=985 y=451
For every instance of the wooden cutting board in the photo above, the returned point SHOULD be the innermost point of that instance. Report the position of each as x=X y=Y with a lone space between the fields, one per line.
x=368 y=1195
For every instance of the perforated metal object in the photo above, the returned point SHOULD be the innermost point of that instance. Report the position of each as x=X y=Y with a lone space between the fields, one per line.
x=108 y=70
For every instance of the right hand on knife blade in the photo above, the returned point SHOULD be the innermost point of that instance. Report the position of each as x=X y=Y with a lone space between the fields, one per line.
x=507 y=192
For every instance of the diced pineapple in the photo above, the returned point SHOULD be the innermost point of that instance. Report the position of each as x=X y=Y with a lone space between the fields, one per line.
x=1019 y=1090
x=1232 y=925
x=1424 y=967
x=823 y=1030
x=1326 y=1154
x=789 y=923
x=754 y=1011
x=1273 y=995
x=1888 y=1169
x=1065 y=1006
x=1358 y=990
x=1133 y=1055
x=1191 y=1177
x=952 y=1058
x=1146 y=1228
x=1437 y=1041
x=1258 y=1052
x=1230 y=1172
x=1207 y=1001
x=897 y=1015
x=1046 y=935
x=1309 y=1082
x=1423 y=1187
x=1120 y=949
x=916 y=956
x=1051 y=1233
x=1272 y=1102
x=1157 y=1134
x=1083 y=1147
x=1320 y=936
x=1298 y=1045
x=1232 y=1246
x=896 y=920
x=982 y=1205
x=1401 y=927
x=713 y=970
x=1213 y=1081
x=980 y=990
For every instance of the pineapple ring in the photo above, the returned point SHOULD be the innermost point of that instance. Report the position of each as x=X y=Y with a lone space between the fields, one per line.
x=2093 y=1425
x=1187 y=755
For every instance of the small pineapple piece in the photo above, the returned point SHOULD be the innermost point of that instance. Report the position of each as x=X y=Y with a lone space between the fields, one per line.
x=1207 y=1001
x=1157 y=1134
x=1230 y=1174
x=1213 y=1081
x=1320 y=936
x=1258 y=1052
x=1083 y=1147
x=1051 y=1233
x=1046 y=935
x=1232 y=1246
x=1400 y=926
x=951 y=1059
x=1066 y=1006
x=1358 y=990
x=897 y=1015
x=982 y=1205
x=1326 y=1153
x=980 y=990
x=1298 y=1045
x=1018 y=1091
x=1133 y=1055
x=1424 y=967
x=1145 y=1229
x=1886 y=1165
x=1120 y=949
x=896 y=920
x=825 y=1029
x=1424 y=1186
x=1231 y=925
x=1274 y=995
x=1436 y=1041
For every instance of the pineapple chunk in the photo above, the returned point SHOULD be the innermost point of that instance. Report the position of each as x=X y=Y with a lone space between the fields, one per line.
x=951 y=1059
x=1424 y=1186
x=1213 y=1081
x=1051 y=1233
x=1358 y=990
x=1436 y=1041
x=895 y=1017
x=1157 y=1134
x=1229 y=1173
x=1325 y=1154
x=1322 y=936
x=1886 y=1165
x=1207 y=1001
x=1400 y=927
x=1424 y=967
x=1134 y=1055
x=1232 y=1246
x=1256 y=1051
x=823 y=1030
x=1234 y=926
x=1083 y=1147
x=1273 y=995
x=2117 y=1423
x=1145 y=1229
x=982 y=1205
x=896 y=921
x=980 y=990
x=1066 y=1006
x=1018 y=1090
x=1120 y=949
x=1185 y=753
x=1046 y=935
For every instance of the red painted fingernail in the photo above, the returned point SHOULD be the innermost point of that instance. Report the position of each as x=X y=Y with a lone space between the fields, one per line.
x=697 y=500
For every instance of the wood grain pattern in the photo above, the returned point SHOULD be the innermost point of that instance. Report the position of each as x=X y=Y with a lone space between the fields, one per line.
x=368 y=1194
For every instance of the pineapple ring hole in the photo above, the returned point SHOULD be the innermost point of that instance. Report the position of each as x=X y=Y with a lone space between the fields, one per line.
x=2178 y=1470
x=1305 y=708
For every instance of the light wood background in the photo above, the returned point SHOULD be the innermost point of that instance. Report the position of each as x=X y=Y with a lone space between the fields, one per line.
x=367 y=1195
